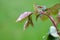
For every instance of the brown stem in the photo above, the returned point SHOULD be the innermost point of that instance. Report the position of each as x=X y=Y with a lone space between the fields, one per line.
x=53 y=21
x=51 y=18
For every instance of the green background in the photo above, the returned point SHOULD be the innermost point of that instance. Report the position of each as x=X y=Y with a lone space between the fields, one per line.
x=9 y=12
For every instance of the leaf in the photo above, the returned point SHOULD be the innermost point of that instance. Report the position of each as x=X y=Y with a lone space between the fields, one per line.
x=54 y=11
x=56 y=6
x=23 y=16
x=51 y=11
x=44 y=17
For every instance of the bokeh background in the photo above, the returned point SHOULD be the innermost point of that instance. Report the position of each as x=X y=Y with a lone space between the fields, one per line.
x=9 y=12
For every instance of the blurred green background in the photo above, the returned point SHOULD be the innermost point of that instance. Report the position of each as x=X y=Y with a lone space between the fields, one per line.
x=9 y=12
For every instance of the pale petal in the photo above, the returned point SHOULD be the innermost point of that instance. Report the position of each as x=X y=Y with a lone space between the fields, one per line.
x=23 y=16
x=53 y=31
x=26 y=24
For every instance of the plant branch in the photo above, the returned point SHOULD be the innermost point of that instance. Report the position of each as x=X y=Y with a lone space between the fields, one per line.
x=51 y=18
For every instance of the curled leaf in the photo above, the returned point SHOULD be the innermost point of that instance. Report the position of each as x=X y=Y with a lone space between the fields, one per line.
x=23 y=16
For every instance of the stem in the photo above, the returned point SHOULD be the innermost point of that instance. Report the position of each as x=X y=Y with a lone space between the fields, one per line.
x=52 y=19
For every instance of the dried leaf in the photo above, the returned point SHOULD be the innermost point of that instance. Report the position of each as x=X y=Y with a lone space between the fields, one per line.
x=23 y=16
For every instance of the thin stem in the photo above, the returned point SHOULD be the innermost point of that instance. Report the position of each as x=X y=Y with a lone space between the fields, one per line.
x=52 y=19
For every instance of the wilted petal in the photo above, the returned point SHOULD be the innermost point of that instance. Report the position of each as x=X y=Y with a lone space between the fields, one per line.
x=23 y=16
x=53 y=31
x=26 y=24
